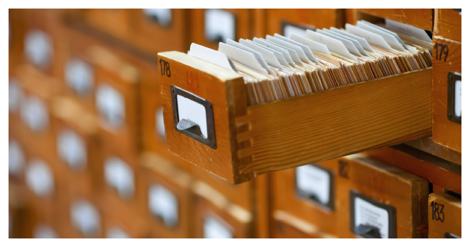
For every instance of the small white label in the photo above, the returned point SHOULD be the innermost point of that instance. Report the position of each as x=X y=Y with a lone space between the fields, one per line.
x=458 y=98
x=38 y=48
x=289 y=29
x=192 y=110
x=34 y=113
x=79 y=76
x=85 y=218
x=314 y=181
x=367 y=214
x=162 y=15
x=164 y=204
x=159 y=123
x=15 y=96
x=116 y=232
x=219 y=24
x=216 y=228
x=44 y=231
x=110 y=104
x=72 y=149
x=119 y=176
x=39 y=178
x=15 y=158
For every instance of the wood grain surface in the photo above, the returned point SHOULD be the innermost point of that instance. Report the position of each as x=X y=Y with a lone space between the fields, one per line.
x=336 y=122
x=420 y=18
x=448 y=24
x=449 y=220
x=445 y=132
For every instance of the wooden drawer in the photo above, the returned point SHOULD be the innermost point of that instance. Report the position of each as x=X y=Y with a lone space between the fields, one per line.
x=116 y=22
x=286 y=225
x=116 y=100
x=282 y=21
x=16 y=26
x=216 y=217
x=448 y=24
x=420 y=18
x=168 y=201
x=444 y=216
x=122 y=222
x=398 y=200
x=446 y=126
x=437 y=171
x=156 y=30
x=77 y=143
x=309 y=193
x=357 y=117
x=211 y=26
x=31 y=117
x=44 y=41
x=122 y=181
x=45 y=181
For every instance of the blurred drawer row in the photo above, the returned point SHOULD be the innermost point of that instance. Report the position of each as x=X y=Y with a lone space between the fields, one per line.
x=358 y=196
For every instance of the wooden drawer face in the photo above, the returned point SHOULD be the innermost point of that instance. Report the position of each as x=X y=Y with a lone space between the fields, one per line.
x=282 y=21
x=420 y=18
x=122 y=222
x=168 y=202
x=245 y=136
x=396 y=197
x=417 y=164
x=286 y=225
x=44 y=41
x=216 y=217
x=209 y=27
x=116 y=22
x=308 y=193
x=448 y=24
x=78 y=144
x=157 y=30
x=117 y=104
x=446 y=59
x=445 y=216
x=16 y=25
x=31 y=116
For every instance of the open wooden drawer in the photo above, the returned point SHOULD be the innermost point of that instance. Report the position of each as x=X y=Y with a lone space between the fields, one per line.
x=245 y=141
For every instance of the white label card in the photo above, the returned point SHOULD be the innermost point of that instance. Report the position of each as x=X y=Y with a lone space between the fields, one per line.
x=119 y=176
x=79 y=76
x=16 y=158
x=333 y=44
x=458 y=98
x=316 y=46
x=315 y=181
x=194 y=111
x=39 y=178
x=371 y=37
x=38 y=48
x=216 y=228
x=15 y=95
x=289 y=30
x=366 y=213
x=242 y=57
x=34 y=113
x=164 y=204
x=85 y=218
x=116 y=232
x=211 y=56
x=110 y=104
x=159 y=123
x=72 y=149
x=407 y=29
x=219 y=25
x=44 y=231
x=162 y=15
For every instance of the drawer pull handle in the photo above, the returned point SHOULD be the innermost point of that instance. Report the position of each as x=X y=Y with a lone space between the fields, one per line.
x=188 y=125
x=368 y=231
